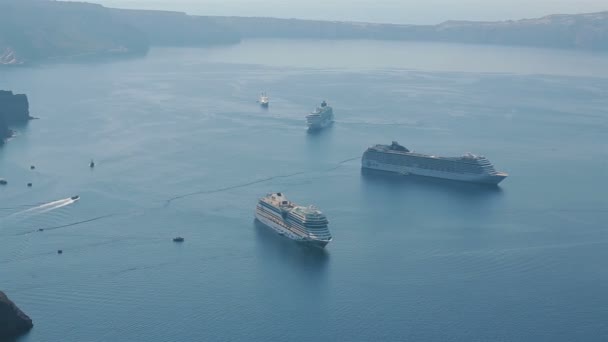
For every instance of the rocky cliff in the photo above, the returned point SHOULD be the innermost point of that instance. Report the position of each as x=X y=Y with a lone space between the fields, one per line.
x=42 y=30
x=578 y=31
x=13 y=322
x=33 y=31
x=14 y=109
x=5 y=132
x=163 y=28
x=37 y=30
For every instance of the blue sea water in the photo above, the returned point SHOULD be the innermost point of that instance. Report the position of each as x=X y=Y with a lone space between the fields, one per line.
x=182 y=148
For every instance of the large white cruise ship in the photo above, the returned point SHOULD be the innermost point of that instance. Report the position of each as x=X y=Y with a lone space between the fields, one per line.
x=321 y=117
x=303 y=224
x=398 y=159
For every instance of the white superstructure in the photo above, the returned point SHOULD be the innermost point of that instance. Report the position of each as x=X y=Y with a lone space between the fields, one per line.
x=398 y=159
x=304 y=224
x=321 y=117
x=264 y=100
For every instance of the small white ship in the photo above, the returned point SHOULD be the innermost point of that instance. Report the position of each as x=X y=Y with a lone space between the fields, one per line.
x=303 y=224
x=264 y=100
x=398 y=159
x=321 y=117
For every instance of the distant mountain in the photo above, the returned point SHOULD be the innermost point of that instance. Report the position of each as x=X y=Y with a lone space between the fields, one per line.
x=42 y=30
x=579 y=31
x=164 y=28
x=33 y=30
x=38 y=30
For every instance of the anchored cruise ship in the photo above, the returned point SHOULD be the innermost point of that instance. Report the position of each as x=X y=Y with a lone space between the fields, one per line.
x=304 y=224
x=398 y=159
x=321 y=117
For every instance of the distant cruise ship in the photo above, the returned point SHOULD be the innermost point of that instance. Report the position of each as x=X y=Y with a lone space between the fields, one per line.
x=264 y=100
x=304 y=224
x=398 y=159
x=321 y=117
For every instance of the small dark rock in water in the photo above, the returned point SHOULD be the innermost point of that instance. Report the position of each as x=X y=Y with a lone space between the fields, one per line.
x=32 y=167
x=59 y=251
x=178 y=239
x=29 y=184
x=13 y=322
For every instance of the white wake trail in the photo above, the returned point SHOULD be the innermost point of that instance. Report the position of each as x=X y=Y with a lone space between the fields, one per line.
x=44 y=207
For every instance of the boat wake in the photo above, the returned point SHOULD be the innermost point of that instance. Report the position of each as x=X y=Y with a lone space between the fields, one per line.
x=206 y=192
x=44 y=208
x=68 y=224
x=263 y=180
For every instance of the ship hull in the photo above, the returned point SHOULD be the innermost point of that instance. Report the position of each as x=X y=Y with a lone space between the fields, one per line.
x=314 y=125
x=490 y=179
x=315 y=243
x=320 y=121
x=280 y=227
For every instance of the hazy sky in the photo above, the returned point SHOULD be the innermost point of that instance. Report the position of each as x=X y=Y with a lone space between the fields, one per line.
x=397 y=11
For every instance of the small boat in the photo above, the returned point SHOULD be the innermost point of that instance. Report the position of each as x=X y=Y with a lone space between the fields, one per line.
x=178 y=239
x=3 y=181
x=59 y=251
x=75 y=197
x=29 y=184
x=40 y=229
x=92 y=164
x=264 y=100
x=32 y=167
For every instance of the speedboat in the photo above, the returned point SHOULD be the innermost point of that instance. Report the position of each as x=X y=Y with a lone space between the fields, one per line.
x=75 y=197
x=178 y=239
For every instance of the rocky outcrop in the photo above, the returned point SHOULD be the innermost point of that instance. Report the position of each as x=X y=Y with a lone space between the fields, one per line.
x=5 y=132
x=14 y=109
x=13 y=322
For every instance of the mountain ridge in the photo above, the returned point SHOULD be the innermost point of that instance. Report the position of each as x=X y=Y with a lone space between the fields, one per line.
x=34 y=31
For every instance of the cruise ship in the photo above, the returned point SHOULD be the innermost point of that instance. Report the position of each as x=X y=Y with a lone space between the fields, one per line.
x=303 y=224
x=398 y=159
x=264 y=100
x=321 y=117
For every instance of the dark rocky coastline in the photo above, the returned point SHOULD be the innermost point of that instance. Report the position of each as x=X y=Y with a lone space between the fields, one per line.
x=13 y=322
x=14 y=109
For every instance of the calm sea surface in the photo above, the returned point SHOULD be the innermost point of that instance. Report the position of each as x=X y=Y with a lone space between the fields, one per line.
x=182 y=148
